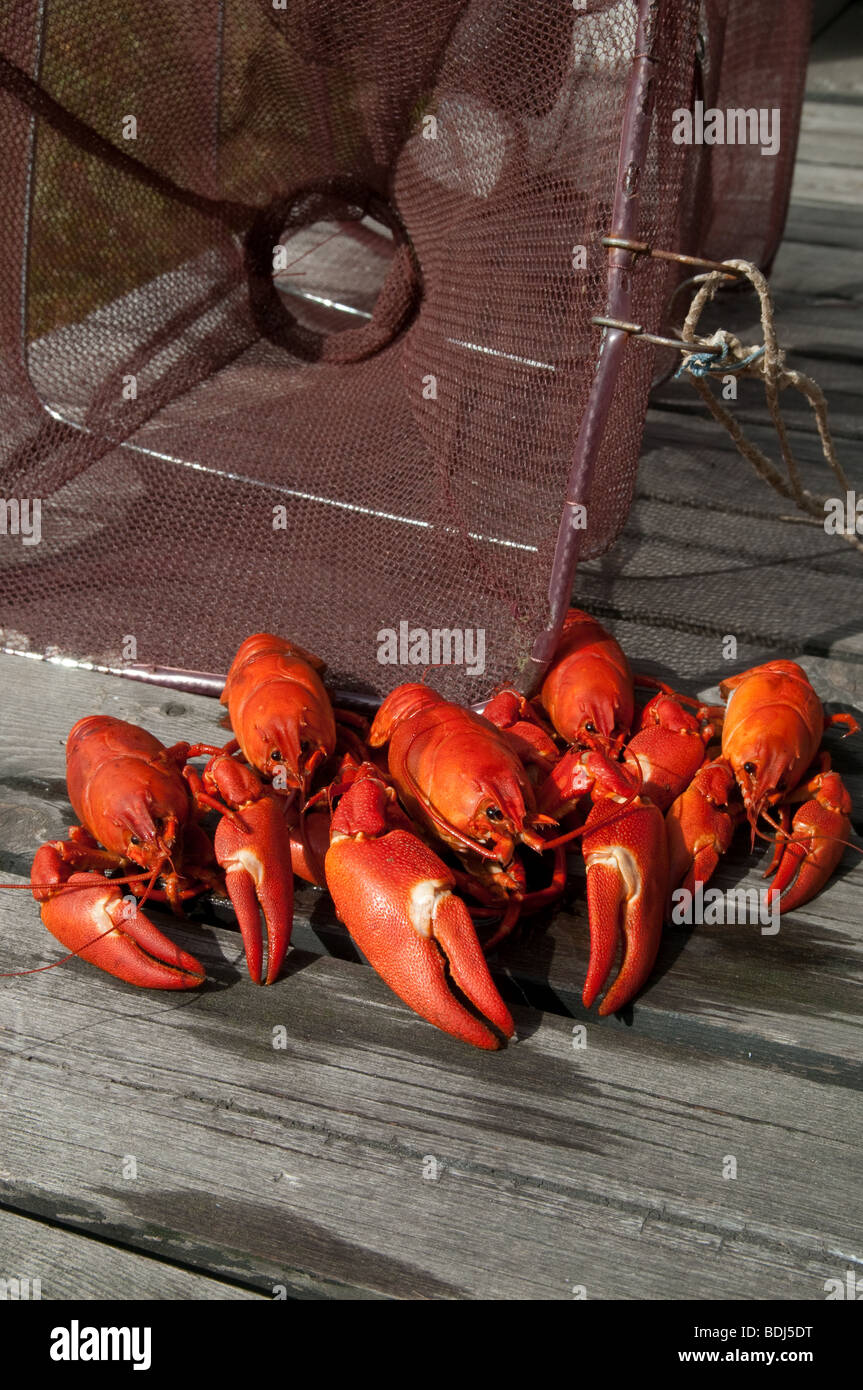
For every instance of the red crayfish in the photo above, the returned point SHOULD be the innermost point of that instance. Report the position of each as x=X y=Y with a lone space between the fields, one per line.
x=434 y=844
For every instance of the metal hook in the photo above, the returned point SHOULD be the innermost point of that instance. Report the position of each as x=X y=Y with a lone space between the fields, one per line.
x=641 y=248
x=637 y=331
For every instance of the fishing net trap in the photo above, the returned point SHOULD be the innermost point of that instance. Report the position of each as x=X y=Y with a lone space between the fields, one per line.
x=298 y=298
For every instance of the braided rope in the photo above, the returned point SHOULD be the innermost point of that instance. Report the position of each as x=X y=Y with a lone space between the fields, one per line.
x=766 y=362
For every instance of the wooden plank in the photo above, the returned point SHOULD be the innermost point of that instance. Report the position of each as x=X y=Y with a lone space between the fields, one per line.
x=802 y=270
x=831 y=136
x=825 y=329
x=303 y=1165
x=767 y=584
x=558 y=1166
x=818 y=223
x=71 y=1266
x=687 y=458
x=831 y=133
x=849 y=648
x=840 y=382
x=706 y=551
x=839 y=379
x=834 y=64
x=827 y=183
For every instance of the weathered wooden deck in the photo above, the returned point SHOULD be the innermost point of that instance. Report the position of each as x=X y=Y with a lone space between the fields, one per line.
x=164 y=1147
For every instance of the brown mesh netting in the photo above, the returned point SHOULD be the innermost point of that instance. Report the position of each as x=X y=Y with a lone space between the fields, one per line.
x=381 y=429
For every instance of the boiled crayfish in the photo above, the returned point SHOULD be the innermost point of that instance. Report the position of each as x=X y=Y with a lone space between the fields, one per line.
x=139 y=804
x=440 y=826
x=770 y=759
x=139 y=801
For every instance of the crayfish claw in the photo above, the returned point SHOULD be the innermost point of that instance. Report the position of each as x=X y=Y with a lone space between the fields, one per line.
x=396 y=898
x=257 y=864
x=700 y=825
x=627 y=884
x=806 y=859
x=466 y=967
x=96 y=922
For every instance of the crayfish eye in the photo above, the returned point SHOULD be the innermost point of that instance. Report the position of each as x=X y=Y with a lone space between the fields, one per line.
x=276 y=756
x=590 y=727
x=494 y=813
x=750 y=768
x=133 y=840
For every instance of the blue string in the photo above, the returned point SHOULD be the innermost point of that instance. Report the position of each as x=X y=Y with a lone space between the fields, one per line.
x=702 y=363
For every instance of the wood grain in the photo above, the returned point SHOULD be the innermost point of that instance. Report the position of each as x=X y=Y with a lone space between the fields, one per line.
x=601 y=1166
x=302 y=1166
x=71 y=1266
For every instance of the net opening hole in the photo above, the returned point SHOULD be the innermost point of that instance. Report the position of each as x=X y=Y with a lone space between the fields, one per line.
x=332 y=274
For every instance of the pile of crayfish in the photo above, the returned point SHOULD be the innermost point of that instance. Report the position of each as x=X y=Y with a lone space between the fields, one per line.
x=436 y=828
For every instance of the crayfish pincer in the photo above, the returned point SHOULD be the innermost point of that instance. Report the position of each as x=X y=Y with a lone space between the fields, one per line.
x=138 y=804
x=406 y=917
